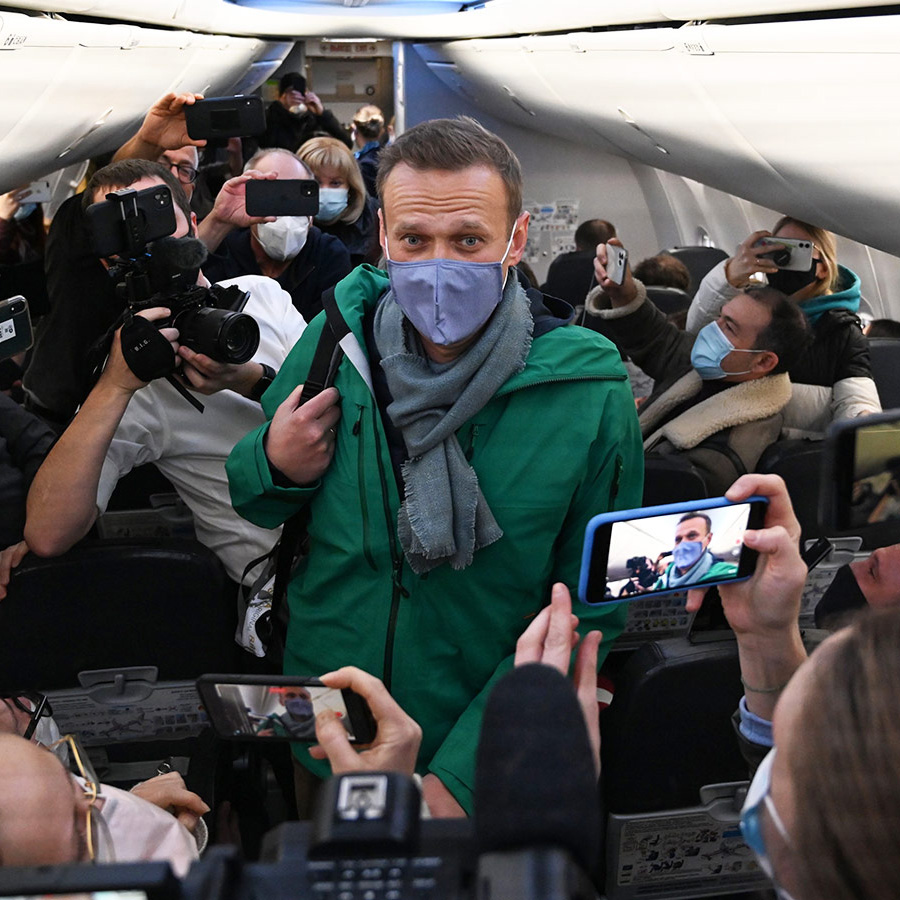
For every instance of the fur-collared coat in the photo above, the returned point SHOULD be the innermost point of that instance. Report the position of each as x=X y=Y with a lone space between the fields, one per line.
x=723 y=435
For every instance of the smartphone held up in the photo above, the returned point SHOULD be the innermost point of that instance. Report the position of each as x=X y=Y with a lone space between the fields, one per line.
x=632 y=553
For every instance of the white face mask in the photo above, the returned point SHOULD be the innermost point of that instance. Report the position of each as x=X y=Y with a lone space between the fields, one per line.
x=47 y=733
x=284 y=238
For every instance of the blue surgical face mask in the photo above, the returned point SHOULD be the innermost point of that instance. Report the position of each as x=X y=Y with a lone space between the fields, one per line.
x=687 y=553
x=447 y=300
x=24 y=211
x=710 y=348
x=332 y=202
x=759 y=798
x=298 y=707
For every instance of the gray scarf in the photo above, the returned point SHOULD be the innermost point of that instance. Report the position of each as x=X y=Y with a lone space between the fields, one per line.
x=444 y=516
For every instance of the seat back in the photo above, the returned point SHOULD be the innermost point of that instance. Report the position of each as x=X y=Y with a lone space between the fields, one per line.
x=106 y=605
x=799 y=463
x=884 y=354
x=671 y=478
x=699 y=260
x=669 y=299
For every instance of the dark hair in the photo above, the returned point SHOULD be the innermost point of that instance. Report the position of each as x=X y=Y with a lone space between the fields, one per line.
x=451 y=145
x=663 y=270
x=698 y=515
x=842 y=760
x=126 y=172
x=291 y=80
x=788 y=332
x=594 y=231
x=883 y=328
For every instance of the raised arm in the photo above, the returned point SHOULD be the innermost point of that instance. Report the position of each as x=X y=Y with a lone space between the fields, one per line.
x=163 y=128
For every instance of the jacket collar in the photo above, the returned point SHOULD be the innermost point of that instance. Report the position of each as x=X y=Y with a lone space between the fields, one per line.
x=747 y=401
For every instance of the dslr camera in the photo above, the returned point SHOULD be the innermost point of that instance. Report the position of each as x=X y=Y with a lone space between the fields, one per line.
x=154 y=269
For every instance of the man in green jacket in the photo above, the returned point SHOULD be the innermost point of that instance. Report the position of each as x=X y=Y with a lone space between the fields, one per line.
x=451 y=471
x=692 y=562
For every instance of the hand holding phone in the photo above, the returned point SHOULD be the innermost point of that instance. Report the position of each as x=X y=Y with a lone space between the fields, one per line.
x=397 y=738
x=792 y=254
x=616 y=261
x=284 y=197
x=15 y=327
x=261 y=707
x=225 y=117
x=661 y=549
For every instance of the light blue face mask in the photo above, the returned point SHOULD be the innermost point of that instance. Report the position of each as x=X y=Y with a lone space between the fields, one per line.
x=24 y=211
x=332 y=202
x=687 y=553
x=447 y=299
x=299 y=707
x=710 y=348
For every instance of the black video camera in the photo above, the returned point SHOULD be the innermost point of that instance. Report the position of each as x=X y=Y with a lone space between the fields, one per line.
x=154 y=269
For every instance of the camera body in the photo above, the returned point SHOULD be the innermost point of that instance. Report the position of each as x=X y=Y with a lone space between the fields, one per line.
x=155 y=269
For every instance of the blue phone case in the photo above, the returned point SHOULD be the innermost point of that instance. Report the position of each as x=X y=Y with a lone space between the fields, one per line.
x=647 y=512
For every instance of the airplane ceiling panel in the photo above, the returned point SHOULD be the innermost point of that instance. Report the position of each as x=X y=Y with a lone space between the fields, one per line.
x=728 y=106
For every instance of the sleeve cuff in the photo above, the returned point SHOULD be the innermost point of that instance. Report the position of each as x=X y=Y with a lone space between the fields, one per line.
x=597 y=303
x=757 y=730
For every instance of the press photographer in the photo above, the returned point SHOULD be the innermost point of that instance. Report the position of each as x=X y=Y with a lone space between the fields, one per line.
x=130 y=419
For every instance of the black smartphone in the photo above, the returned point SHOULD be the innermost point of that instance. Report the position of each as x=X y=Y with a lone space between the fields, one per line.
x=225 y=117
x=280 y=707
x=15 y=327
x=660 y=549
x=861 y=475
x=283 y=197
x=126 y=223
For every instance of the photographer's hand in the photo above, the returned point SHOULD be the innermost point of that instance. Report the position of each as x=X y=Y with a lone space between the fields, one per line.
x=550 y=639
x=397 y=737
x=749 y=259
x=117 y=374
x=163 y=128
x=619 y=294
x=207 y=376
x=300 y=439
x=230 y=210
x=169 y=792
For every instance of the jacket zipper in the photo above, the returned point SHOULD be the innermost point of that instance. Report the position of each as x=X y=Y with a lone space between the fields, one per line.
x=470 y=449
x=397 y=589
x=363 y=499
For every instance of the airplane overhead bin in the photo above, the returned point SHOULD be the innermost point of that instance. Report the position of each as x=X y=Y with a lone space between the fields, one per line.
x=74 y=89
x=799 y=116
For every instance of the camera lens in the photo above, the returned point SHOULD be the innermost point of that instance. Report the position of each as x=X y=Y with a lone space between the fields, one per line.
x=224 y=336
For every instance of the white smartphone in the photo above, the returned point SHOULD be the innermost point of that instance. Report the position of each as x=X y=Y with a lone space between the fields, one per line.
x=795 y=255
x=616 y=261
x=37 y=192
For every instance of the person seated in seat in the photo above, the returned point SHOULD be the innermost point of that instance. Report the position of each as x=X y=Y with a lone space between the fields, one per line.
x=832 y=379
x=692 y=560
x=571 y=275
x=720 y=395
x=882 y=328
x=125 y=422
x=822 y=733
x=289 y=249
x=663 y=270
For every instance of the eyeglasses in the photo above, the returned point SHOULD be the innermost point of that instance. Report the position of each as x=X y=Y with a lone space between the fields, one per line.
x=31 y=702
x=186 y=174
x=758 y=798
x=91 y=785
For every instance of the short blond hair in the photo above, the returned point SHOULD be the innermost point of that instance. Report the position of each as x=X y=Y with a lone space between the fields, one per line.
x=825 y=244
x=329 y=152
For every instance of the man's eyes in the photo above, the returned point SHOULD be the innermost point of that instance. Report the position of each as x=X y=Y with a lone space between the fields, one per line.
x=470 y=241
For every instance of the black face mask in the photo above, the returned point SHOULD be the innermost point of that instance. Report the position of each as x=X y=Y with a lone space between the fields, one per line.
x=789 y=282
x=842 y=596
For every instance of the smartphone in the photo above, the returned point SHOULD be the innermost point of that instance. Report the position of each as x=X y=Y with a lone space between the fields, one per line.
x=635 y=553
x=280 y=708
x=110 y=228
x=616 y=260
x=861 y=475
x=15 y=327
x=37 y=192
x=225 y=117
x=795 y=255
x=283 y=197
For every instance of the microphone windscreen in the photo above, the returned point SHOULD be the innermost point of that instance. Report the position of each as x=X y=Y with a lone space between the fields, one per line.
x=535 y=781
x=175 y=262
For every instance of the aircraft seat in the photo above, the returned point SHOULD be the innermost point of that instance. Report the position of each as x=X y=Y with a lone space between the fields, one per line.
x=884 y=353
x=799 y=463
x=669 y=299
x=671 y=479
x=699 y=260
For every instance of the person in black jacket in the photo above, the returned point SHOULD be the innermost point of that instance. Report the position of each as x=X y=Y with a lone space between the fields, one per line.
x=297 y=115
x=303 y=260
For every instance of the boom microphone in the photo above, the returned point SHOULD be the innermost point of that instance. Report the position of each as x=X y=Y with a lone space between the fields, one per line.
x=535 y=782
x=174 y=263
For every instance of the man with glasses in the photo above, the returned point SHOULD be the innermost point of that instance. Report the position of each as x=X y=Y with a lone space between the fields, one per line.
x=22 y=711
x=51 y=816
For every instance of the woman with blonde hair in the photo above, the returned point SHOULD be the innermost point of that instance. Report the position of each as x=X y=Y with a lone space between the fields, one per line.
x=345 y=209
x=833 y=378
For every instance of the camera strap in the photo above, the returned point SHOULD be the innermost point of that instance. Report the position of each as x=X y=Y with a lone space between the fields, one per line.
x=147 y=353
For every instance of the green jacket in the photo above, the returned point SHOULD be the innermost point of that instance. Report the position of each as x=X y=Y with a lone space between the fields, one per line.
x=557 y=444
x=717 y=571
